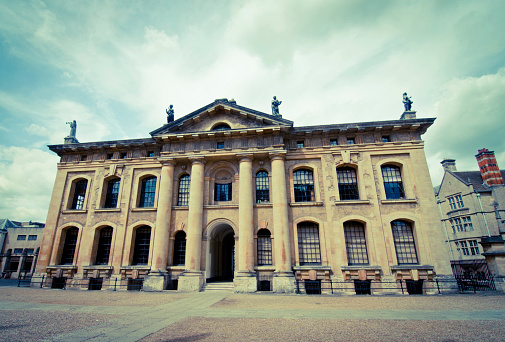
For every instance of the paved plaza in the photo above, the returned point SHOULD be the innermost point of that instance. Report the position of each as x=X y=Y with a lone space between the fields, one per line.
x=30 y=314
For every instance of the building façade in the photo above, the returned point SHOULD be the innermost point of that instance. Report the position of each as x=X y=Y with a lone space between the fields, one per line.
x=231 y=193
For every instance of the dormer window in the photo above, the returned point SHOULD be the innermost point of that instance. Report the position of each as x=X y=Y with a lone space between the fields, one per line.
x=221 y=127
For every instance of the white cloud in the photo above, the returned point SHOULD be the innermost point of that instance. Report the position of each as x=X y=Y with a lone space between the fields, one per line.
x=26 y=182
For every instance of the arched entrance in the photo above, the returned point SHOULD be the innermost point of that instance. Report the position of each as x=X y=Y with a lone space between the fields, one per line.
x=221 y=257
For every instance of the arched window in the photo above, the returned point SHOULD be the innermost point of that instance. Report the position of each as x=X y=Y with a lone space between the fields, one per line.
x=221 y=127
x=303 y=182
x=262 y=187
x=104 y=244
x=393 y=184
x=347 y=183
x=405 y=245
x=180 y=248
x=183 y=199
x=142 y=243
x=264 y=247
x=79 y=194
x=67 y=255
x=308 y=243
x=355 y=243
x=112 y=193
x=147 y=192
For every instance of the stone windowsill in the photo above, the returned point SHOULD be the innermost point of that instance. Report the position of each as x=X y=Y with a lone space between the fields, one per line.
x=360 y=267
x=136 y=267
x=221 y=206
x=74 y=211
x=352 y=202
x=180 y=207
x=399 y=201
x=98 y=267
x=176 y=268
x=107 y=210
x=311 y=267
x=305 y=204
x=144 y=209
x=457 y=210
x=411 y=267
x=264 y=268
x=63 y=267
x=263 y=205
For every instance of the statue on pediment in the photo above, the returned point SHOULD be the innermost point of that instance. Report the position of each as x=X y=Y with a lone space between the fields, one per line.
x=170 y=114
x=275 y=106
x=73 y=128
x=407 y=102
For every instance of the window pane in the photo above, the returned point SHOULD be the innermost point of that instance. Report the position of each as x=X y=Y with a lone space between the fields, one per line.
x=393 y=185
x=262 y=187
x=222 y=192
x=264 y=247
x=112 y=193
x=347 y=183
x=355 y=243
x=180 y=248
x=404 y=242
x=21 y=237
x=104 y=243
x=142 y=243
x=148 y=192
x=184 y=183
x=79 y=193
x=67 y=255
x=308 y=243
x=303 y=181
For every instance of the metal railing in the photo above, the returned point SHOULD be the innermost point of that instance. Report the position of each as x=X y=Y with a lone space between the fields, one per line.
x=364 y=287
x=90 y=284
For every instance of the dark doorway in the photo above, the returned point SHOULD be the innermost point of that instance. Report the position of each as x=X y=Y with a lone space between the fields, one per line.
x=221 y=262
x=228 y=256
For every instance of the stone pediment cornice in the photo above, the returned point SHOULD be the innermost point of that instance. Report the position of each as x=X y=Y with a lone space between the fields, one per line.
x=103 y=145
x=218 y=105
x=242 y=132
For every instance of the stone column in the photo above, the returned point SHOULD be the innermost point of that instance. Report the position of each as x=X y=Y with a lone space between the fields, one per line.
x=245 y=280
x=192 y=278
x=156 y=280
x=283 y=278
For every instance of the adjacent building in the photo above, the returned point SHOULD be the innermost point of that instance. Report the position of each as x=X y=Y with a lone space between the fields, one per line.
x=230 y=193
x=472 y=204
x=19 y=247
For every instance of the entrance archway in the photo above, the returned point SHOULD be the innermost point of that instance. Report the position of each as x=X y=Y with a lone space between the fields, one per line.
x=221 y=254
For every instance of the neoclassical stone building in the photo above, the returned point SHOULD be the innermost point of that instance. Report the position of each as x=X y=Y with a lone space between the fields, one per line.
x=231 y=193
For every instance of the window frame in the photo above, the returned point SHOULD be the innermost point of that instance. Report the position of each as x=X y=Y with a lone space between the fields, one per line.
x=262 y=187
x=308 y=193
x=21 y=237
x=405 y=250
x=347 y=191
x=391 y=193
x=180 y=241
x=69 y=247
x=264 y=255
x=228 y=192
x=32 y=237
x=142 y=193
x=309 y=252
x=183 y=190
x=78 y=199
x=104 y=246
x=109 y=194
x=355 y=243
x=140 y=252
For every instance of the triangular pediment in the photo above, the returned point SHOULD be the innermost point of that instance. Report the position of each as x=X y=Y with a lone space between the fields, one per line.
x=221 y=112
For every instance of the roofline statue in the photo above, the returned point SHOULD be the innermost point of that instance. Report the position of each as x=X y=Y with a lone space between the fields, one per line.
x=275 y=106
x=407 y=102
x=71 y=139
x=170 y=114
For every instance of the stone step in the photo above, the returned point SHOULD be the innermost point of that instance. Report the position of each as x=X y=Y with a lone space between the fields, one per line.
x=218 y=287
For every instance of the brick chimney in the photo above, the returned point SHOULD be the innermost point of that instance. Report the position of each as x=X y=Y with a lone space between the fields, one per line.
x=449 y=164
x=488 y=166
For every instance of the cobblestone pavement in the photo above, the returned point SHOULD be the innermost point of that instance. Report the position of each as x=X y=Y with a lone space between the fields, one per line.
x=41 y=314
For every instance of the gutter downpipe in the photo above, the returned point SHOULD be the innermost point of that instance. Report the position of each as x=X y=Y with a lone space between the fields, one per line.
x=482 y=212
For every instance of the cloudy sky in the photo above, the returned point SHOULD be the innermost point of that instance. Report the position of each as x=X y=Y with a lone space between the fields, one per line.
x=114 y=66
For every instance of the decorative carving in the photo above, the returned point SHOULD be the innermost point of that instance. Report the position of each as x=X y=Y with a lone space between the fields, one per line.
x=275 y=106
x=407 y=102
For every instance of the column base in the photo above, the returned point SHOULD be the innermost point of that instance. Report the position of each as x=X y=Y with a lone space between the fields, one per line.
x=245 y=282
x=155 y=282
x=190 y=281
x=283 y=282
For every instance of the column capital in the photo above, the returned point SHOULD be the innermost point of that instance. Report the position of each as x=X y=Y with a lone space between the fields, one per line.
x=197 y=160
x=242 y=157
x=167 y=161
x=277 y=155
